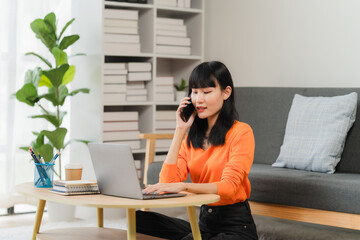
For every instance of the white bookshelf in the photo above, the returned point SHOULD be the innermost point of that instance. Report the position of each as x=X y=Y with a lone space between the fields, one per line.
x=178 y=66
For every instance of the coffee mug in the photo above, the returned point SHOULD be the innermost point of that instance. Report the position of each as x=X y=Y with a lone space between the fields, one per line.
x=73 y=171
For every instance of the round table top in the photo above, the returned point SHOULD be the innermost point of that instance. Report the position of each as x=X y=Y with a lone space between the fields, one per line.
x=104 y=201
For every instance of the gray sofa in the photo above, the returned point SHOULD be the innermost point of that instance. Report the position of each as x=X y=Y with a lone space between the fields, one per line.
x=266 y=110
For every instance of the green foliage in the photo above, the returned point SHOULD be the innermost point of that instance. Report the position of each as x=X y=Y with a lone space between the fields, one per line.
x=182 y=86
x=54 y=80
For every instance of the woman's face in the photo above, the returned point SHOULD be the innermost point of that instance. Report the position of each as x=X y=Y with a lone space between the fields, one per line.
x=208 y=101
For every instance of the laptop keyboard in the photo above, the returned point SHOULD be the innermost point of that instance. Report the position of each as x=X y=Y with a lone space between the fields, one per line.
x=165 y=195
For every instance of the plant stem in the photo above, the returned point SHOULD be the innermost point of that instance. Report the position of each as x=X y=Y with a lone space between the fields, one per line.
x=59 y=165
x=43 y=108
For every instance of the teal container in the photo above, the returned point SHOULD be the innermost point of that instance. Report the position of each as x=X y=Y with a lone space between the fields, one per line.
x=43 y=175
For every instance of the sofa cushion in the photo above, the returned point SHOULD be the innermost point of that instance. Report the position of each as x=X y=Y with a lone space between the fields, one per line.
x=333 y=192
x=266 y=109
x=315 y=132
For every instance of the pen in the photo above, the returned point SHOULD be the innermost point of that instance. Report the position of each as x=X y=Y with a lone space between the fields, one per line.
x=37 y=166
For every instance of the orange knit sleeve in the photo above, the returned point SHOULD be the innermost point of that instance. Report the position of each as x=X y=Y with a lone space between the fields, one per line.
x=241 y=155
x=171 y=173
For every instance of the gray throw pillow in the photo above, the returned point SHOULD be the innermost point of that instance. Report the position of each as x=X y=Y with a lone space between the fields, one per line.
x=316 y=131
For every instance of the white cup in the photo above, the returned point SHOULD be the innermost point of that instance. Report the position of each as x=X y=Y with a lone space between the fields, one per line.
x=73 y=171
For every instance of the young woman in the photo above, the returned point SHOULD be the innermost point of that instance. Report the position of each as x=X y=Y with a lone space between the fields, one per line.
x=217 y=153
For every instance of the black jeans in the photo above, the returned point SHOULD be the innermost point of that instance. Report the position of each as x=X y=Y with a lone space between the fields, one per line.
x=216 y=222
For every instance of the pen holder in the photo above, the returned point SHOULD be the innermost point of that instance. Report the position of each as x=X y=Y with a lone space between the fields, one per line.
x=43 y=175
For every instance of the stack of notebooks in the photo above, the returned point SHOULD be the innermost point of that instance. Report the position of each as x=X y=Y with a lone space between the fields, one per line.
x=121 y=127
x=173 y=3
x=114 y=89
x=80 y=187
x=121 y=33
x=138 y=74
x=171 y=36
x=164 y=88
x=165 y=121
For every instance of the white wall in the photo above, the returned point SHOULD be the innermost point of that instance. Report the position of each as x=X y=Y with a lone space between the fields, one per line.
x=296 y=43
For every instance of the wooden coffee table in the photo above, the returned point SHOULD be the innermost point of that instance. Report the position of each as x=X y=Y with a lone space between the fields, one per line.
x=100 y=202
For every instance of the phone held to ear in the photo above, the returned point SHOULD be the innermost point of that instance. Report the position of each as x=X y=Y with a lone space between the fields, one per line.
x=187 y=111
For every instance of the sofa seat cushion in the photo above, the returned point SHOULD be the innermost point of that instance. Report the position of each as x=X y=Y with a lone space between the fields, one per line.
x=333 y=192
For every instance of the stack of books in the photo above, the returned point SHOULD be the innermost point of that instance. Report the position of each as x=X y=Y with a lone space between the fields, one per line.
x=138 y=169
x=173 y=3
x=164 y=89
x=121 y=127
x=138 y=73
x=121 y=33
x=165 y=121
x=78 y=187
x=114 y=88
x=171 y=36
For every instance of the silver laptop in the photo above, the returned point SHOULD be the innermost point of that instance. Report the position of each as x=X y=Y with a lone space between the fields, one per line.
x=116 y=173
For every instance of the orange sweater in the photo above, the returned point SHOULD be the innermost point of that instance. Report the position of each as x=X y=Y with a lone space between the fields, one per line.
x=228 y=165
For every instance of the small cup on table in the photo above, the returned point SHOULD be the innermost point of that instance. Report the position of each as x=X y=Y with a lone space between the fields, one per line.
x=73 y=171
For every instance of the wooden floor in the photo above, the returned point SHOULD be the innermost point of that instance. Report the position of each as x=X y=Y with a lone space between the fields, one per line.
x=19 y=220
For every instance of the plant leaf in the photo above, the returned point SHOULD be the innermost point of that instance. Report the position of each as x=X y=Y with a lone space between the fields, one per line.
x=51 y=20
x=68 y=41
x=45 y=81
x=63 y=93
x=41 y=58
x=76 y=55
x=66 y=25
x=51 y=96
x=56 y=75
x=33 y=77
x=83 y=90
x=44 y=32
x=27 y=94
x=69 y=75
x=24 y=148
x=56 y=137
x=52 y=118
x=76 y=140
x=60 y=56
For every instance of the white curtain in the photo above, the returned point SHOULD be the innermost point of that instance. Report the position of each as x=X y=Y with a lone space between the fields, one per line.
x=16 y=38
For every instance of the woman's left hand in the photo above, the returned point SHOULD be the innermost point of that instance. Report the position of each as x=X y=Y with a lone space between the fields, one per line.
x=164 y=188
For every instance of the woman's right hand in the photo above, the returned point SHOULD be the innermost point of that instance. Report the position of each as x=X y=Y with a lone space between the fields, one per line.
x=180 y=123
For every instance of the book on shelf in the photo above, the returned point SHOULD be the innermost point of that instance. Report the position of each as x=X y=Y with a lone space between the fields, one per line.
x=139 y=66
x=168 y=131
x=131 y=92
x=115 y=66
x=120 y=135
x=119 y=79
x=171 y=33
x=121 y=116
x=187 y=3
x=165 y=124
x=121 y=38
x=112 y=22
x=166 y=80
x=136 y=98
x=173 y=50
x=165 y=115
x=113 y=71
x=121 y=126
x=121 y=48
x=121 y=30
x=168 y=3
x=177 y=41
x=135 y=85
x=111 y=99
x=139 y=76
x=114 y=88
x=180 y=3
x=137 y=164
x=134 y=144
x=78 y=187
x=164 y=88
x=164 y=97
x=121 y=14
x=173 y=21
x=170 y=27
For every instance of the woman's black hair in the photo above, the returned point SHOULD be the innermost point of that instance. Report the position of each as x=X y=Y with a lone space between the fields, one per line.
x=205 y=75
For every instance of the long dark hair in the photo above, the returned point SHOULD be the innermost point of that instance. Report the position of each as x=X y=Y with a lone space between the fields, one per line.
x=203 y=76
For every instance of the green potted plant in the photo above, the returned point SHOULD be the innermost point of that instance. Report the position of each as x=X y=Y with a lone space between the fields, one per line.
x=181 y=90
x=52 y=81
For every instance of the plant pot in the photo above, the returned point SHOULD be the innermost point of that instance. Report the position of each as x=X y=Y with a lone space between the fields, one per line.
x=180 y=95
x=60 y=212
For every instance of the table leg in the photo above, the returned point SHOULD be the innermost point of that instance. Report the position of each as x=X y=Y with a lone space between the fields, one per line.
x=194 y=223
x=38 y=218
x=100 y=217
x=131 y=224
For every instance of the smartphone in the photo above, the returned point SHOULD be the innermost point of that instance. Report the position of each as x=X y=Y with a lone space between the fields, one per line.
x=187 y=111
